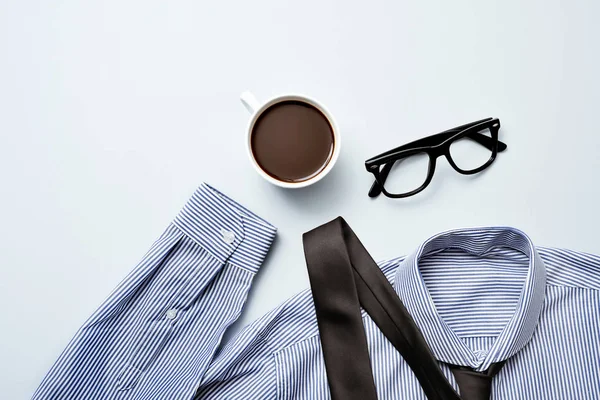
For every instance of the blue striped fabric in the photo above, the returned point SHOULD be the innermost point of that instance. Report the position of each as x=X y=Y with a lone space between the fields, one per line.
x=478 y=295
x=156 y=334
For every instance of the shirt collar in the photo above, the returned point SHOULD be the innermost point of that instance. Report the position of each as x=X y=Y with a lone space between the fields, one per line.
x=444 y=342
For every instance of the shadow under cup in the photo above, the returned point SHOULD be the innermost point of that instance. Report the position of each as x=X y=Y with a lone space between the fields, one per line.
x=292 y=141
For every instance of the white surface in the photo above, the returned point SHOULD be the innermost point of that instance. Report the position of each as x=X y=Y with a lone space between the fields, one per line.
x=111 y=112
x=256 y=108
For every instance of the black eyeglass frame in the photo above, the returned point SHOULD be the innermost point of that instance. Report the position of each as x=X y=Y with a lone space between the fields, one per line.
x=434 y=146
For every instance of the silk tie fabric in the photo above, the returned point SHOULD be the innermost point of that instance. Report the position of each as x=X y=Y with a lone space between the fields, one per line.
x=475 y=385
x=344 y=277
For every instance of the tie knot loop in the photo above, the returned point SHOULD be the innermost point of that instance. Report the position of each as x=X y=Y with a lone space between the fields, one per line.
x=475 y=385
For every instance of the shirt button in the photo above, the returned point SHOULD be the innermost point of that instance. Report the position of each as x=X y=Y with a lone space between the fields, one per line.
x=172 y=314
x=228 y=236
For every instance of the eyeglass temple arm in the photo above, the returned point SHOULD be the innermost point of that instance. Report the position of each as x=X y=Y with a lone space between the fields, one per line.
x=430 y=140
x=434 y=139
x=483 y=140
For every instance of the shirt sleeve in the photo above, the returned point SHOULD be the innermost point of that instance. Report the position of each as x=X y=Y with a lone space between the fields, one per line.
x=156 y=334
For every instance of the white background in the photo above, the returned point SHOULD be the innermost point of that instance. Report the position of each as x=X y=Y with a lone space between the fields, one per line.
x=112 y=112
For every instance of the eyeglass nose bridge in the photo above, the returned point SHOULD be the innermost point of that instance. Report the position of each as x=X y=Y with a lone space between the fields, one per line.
x=438 y=151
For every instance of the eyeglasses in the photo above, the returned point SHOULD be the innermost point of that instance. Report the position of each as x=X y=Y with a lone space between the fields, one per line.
x=407 y=170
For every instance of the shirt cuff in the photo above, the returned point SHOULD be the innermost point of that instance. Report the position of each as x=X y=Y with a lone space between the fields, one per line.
x=226 y=229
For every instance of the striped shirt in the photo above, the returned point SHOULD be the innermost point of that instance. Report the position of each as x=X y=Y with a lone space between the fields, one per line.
x=478 y=295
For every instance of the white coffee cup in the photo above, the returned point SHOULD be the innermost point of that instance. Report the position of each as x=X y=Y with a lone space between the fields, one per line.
x=256 y=108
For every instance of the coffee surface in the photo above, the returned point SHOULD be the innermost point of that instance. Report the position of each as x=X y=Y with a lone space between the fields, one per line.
x=292 y=141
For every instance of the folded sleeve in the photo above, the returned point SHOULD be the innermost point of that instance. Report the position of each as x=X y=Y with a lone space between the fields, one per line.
x=156 y=334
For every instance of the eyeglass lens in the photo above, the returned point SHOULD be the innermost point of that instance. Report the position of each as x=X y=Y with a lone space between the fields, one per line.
x=408 y=174
x=469 y=154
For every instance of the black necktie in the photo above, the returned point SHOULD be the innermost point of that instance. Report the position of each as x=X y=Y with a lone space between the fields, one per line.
x=475 y=385
x=344 y=277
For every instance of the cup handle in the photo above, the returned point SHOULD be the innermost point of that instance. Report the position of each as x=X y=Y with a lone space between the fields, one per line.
x=250 y=102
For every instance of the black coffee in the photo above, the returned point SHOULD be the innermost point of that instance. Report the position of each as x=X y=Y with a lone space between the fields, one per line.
x=292 y=141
